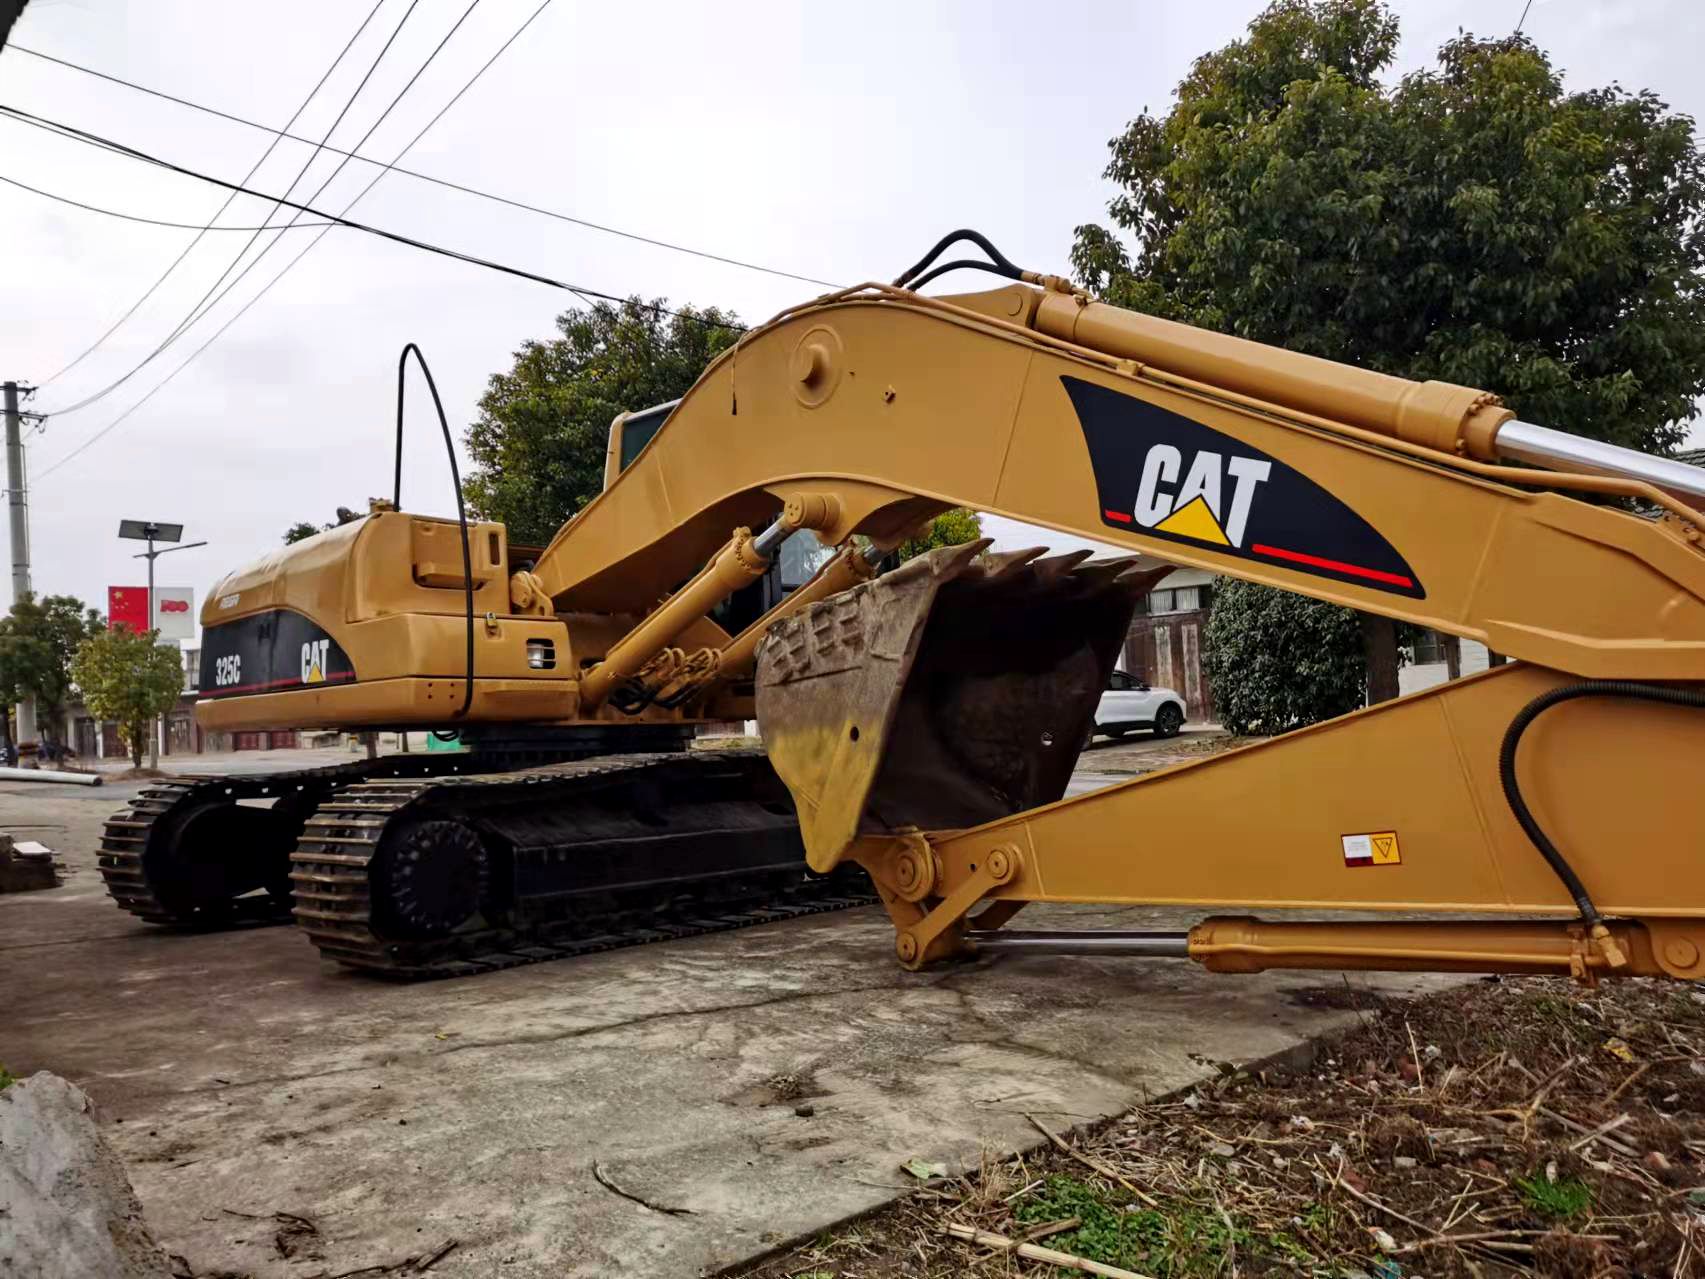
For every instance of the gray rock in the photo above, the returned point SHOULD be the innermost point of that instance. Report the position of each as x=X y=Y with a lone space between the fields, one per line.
x=67 y=1210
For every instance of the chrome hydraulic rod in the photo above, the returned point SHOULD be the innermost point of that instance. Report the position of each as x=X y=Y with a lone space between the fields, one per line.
x=1149 y=945
x=742 y=559
x=1518 y=441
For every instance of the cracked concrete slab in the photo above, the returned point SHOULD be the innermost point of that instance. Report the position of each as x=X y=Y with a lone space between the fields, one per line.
x=240 y=1076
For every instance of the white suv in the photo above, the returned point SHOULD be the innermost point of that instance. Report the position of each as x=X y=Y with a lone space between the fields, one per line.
x=1129 y=703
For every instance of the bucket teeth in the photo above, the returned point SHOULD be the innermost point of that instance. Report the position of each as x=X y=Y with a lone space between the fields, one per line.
x=1139 y=581
x=1008 y=564
x=955 y=559
x=1122 y=572
x=1056 y=567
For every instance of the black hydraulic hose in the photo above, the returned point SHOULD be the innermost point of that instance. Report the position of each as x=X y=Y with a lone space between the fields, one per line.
x=997 y=260
x=461 y=506
x=1512 y=788
x=961 y=264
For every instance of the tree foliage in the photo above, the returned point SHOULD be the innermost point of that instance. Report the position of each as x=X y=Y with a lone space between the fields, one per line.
x=1277 y=661
x=301 y=531
x=1472 y=223
x=38 y=640
x=1475 y=223
x=127 y=678
x=950 y=528
x=538 y=444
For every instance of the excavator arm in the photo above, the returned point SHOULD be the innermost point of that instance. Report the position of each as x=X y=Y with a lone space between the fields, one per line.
x=1552 y=794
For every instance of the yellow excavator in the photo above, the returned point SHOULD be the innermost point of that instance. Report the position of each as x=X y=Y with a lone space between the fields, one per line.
x=922 y=723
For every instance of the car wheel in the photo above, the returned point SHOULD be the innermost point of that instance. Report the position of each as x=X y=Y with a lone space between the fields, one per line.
x=1168 y=720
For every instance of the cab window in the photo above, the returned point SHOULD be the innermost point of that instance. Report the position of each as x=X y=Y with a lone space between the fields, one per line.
x=638 y=430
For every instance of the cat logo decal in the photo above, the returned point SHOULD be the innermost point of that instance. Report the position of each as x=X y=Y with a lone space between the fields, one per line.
x=1175 y=479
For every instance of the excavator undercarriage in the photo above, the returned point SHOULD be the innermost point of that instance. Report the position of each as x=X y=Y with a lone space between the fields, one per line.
x=424 y=866
x=920 y=724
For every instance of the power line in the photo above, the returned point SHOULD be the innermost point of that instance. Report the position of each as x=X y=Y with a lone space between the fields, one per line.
x=132 y=217
x=604 y=228
x=337 y=220
x=243 y=310
x=586 y=295
x=253 y=169
x=342 y=164
x=196 y=311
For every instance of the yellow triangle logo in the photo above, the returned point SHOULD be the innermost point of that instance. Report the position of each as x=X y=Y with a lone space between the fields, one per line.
x=315 y=674
x=1194 y=519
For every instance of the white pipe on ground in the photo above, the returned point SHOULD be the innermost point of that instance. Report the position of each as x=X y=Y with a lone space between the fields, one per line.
x=49 y=775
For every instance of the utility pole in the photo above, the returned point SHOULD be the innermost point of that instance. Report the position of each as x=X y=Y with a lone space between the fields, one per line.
x=18 y=507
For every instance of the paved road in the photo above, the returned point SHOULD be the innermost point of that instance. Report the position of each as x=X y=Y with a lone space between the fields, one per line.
x=237 y=1073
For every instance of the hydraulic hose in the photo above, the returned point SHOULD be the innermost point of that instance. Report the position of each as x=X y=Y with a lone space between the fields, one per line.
x=998 y=261
x=1512 y=788
x=461 y=506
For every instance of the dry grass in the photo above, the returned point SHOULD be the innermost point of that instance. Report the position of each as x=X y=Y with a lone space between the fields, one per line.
x=1510 y=1127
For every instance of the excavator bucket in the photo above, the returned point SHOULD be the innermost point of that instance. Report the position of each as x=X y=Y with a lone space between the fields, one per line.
x=955 y=690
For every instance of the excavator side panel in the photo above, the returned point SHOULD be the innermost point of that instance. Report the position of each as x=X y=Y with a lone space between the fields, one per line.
x=1300 y=820
x=366 y=625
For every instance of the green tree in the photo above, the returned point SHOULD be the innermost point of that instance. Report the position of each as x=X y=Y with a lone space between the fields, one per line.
x=950 y=528
x=1473 y=223
x=1277 y=661
x=38 y=639
x=130 y=679
x=538 y=444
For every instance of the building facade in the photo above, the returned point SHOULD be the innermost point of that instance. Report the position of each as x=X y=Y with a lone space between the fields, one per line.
x=1164 y=645
x=1167 y=635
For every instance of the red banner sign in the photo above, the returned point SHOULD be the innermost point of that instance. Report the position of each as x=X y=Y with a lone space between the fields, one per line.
x=127 y=606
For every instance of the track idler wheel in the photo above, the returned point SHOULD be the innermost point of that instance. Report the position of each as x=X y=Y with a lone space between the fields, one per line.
x=429 y=879
x=198 y=862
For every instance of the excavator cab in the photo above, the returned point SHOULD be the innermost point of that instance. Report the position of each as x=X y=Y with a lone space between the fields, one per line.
x=629 y=434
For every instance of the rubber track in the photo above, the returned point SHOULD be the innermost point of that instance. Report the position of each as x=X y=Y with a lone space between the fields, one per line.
x=124 y=838
x=329 y=871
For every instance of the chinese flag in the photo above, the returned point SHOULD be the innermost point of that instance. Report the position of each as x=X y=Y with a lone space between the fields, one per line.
x=127 y=606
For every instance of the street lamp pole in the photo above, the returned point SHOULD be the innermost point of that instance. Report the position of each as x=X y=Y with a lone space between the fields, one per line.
x=148 y=531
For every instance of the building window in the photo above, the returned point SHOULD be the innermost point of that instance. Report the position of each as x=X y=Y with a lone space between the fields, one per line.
x=1427 y=649
x=192 y=669
x=1178 y=599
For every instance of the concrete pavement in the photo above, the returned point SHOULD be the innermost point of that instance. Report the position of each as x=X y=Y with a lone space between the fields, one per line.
x=239 y=1075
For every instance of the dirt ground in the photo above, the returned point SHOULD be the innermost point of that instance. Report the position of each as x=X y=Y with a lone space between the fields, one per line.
x=1522 y=1126
x=670 y=1110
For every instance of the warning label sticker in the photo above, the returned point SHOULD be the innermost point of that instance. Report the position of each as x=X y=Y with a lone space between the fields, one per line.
x=1376 y=848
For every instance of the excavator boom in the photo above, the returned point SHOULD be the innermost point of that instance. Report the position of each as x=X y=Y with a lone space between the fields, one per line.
x=1356 y=488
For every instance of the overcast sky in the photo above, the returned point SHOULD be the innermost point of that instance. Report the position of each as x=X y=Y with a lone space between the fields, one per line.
x=836 y=141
